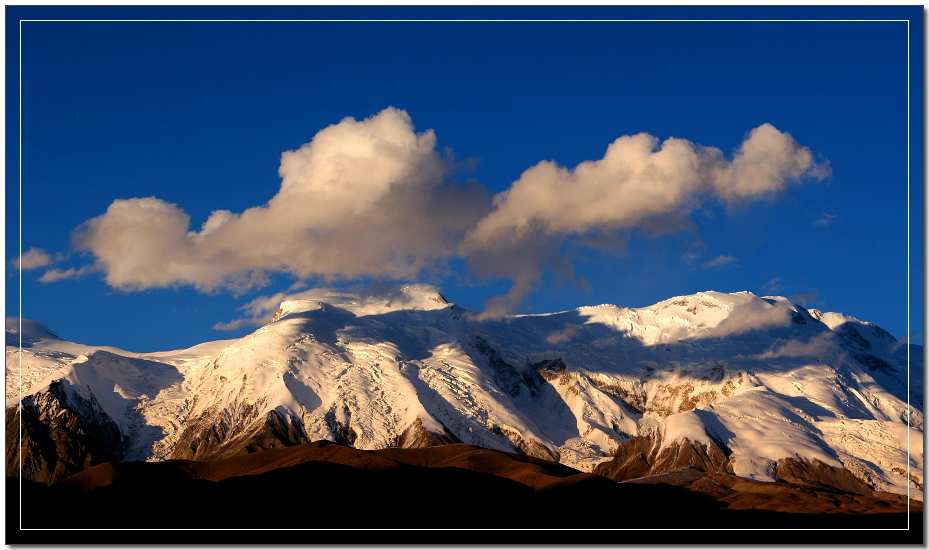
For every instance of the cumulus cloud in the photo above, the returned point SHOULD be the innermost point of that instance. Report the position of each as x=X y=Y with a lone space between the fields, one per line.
x=755 y=314
x=34 y=258
x=374 y=199
x=363 y=198
x=718 y=261
x=640 y=183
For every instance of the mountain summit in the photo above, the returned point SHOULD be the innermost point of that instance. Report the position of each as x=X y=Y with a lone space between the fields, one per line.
x=758 y=387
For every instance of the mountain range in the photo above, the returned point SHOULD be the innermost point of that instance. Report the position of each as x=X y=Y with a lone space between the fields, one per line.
x=708 y=391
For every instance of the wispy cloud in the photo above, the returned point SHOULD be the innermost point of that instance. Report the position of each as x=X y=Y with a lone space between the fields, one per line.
x=777 y=287
x=562 y=335
x=819 y=346
x=34 y=258
x=55 y=274
x=805 y=298
x=753 y=315
x=368 y=299
x=826 y=220
x=773 y=286
x=718 y=262
x=237 y=324
x=693 y=252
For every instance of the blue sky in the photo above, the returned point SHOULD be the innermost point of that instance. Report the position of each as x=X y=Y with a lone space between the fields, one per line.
x=198 y=115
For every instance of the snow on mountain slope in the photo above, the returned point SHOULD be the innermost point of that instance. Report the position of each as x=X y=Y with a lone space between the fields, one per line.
x=762 y=377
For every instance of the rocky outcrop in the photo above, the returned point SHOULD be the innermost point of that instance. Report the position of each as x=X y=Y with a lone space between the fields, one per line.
x=56 y=432
x=418 y=437
x=644 y=456
x=814 y=473
x=243 y=430
x=706 y=467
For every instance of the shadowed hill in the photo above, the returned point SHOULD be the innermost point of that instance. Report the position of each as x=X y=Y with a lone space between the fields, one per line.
x=326 y=485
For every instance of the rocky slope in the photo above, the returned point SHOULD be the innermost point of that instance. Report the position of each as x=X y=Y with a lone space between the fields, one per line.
x=745 y=385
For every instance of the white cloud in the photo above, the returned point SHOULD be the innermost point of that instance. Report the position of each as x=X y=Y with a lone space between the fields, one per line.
x=363 y=198
x=718 y=261
x=640 y=183
x=373 y=198
x=767 y=161
x=34 y=258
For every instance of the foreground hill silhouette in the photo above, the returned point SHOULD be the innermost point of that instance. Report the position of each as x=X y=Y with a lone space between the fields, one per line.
x=331 y=486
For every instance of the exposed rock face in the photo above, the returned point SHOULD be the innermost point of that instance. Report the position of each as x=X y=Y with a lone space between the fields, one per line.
x=238 y=431
x=62 y=433
x=278 y=431
x=705 y=467
x=814 y=473
x=510 y=379
x=643 y=456
x=418 y=437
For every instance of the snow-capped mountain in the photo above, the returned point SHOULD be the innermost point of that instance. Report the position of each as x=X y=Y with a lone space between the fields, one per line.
x=759 y=383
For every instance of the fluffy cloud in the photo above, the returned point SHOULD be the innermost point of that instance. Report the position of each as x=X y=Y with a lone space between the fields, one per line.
x=363 y=198
x=640 y=183
x=34 y=258
x=372 y=198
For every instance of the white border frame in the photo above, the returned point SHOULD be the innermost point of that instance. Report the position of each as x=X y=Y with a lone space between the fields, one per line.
x=908 y=168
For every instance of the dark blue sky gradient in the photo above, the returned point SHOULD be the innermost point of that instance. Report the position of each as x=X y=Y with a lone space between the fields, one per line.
x=198 y=114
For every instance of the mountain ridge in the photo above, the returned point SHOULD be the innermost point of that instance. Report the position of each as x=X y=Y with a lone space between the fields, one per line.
x=769 y=379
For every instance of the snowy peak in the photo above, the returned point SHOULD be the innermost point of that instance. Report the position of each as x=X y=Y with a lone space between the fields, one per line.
x=865 y=334
x=702 y=315
x=712 y=314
